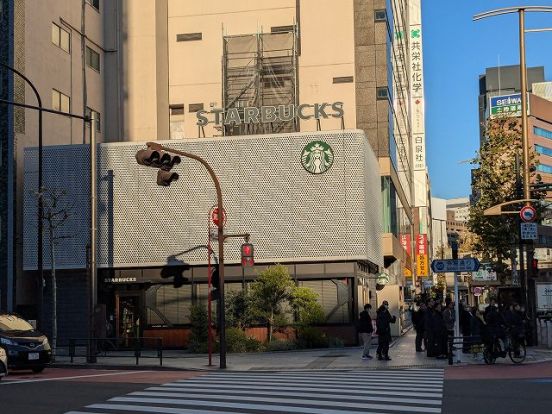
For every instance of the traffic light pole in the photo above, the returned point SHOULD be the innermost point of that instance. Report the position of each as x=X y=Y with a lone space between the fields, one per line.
x=221 y=316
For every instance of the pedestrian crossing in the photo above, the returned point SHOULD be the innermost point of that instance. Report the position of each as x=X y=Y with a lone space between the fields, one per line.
x=317 y=392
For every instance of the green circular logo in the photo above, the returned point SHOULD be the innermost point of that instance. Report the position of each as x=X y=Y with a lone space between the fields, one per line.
x=317 y=157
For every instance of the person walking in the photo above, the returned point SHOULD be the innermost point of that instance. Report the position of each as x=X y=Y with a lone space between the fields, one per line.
x=418 y=320
x=365 y=329
x=383 y=325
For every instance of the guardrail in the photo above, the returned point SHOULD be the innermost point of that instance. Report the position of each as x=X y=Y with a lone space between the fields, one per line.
x=463 y=342
x=116 y=348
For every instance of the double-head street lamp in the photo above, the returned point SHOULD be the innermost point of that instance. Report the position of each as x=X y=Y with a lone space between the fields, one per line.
x=93 y=268
x=40 y=263
x=523 y=77
x=524 y=122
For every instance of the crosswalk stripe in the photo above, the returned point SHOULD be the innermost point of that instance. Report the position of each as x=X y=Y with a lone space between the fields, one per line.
x=148 y=409
x=321 y=381
x=315 y=398
x=280 y=408
x=361 y=374
x=268 y=390
x=337 y=384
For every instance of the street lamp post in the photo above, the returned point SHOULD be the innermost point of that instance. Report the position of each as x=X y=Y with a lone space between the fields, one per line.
x=93 y=269
x=40 y=263
x=524 y=121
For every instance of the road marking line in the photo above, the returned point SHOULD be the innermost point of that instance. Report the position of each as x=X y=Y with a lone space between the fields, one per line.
x=282 y=408
x=284 y=397
x=69 y=378
x=267 y=390
x=208 y=378
x=166 y=410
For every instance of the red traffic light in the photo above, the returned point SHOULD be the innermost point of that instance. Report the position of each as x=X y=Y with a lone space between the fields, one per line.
x=247 y=254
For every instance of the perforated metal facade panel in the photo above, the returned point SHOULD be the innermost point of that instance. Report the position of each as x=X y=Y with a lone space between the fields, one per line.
x=291 y=214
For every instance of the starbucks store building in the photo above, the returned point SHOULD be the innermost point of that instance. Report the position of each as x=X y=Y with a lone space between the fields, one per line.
x=310 y=201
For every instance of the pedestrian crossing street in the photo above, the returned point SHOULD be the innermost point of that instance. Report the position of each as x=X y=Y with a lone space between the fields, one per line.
x=306 y=392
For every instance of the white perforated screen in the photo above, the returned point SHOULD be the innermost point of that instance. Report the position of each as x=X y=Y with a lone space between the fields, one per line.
x=291 y=214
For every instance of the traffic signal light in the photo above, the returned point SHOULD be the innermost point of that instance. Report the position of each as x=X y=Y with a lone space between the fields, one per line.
x=176 y=272
x=162 y=160
x=247 y=255
x=535 y=267
x=215 y=284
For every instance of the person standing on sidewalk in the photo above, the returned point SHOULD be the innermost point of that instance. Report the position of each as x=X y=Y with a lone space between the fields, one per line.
x=449 y=318
x=418 y=320
x=383 y=325
x=365 y=330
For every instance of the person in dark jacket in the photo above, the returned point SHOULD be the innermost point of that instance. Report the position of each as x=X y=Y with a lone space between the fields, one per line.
x=365 y=330
x=465 y=318
x=418 y=320
x=383 y=325
x=439 y=332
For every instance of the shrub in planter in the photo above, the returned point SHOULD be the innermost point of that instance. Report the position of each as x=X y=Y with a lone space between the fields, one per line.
x=310 y=337
x=238 y=341
x=281 y=345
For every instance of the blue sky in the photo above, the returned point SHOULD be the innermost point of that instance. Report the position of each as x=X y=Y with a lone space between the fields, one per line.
x=456 y=51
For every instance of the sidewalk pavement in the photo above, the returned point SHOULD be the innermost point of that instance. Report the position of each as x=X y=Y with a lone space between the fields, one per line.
x=402 y=353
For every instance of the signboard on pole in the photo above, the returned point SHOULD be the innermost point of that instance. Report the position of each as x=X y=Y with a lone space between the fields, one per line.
x=544 y=296
x=505 y=105
x=469 y=264
x=528 y=214
x=421 y=255
x=529 y=231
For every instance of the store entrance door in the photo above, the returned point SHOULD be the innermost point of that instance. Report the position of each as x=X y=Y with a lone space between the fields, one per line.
x=128 y=316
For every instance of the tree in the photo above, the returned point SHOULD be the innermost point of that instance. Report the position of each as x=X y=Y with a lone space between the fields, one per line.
x=238 y=309
x=495 y=182
x=57 y=210
x=308 y=310
x=269 y=293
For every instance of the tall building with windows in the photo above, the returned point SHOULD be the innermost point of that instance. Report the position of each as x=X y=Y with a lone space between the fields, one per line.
x=68 y=50
x=167 y=69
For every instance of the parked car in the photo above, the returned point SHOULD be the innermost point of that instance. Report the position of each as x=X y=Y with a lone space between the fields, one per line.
x=3 y=363
x=26 y=347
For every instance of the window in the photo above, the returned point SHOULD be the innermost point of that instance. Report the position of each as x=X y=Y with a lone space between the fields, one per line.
x=542 y=132
x=177 y=109
x=60 y=101
x=543 y=150
x=195 y=107
x=343 y=79
x=380 y=15
x=92 y=58
x=282 y=29
x=547 y=169
x=97 y=117
x=381 y=93
x=61 y=38
x=94 y=3
x=186 y=37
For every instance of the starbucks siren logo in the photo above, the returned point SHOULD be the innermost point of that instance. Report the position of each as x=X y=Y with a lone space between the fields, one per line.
x=317 y=157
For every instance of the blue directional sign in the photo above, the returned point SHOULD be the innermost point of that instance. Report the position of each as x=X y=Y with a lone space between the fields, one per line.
x=469 y=264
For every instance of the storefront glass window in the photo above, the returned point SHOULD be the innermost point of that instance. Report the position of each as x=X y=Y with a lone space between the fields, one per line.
x=335 y=297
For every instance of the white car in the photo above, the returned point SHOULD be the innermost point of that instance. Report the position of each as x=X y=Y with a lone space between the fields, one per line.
x=3 y=363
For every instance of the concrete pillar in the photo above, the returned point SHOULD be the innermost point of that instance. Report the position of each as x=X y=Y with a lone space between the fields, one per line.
x=549 y=334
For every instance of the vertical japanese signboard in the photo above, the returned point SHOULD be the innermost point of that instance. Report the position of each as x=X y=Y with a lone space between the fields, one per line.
x=405 y=243
x=421 y=255
x=417 y=103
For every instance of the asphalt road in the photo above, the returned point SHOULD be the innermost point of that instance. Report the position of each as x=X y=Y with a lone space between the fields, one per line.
x=477 y=389
x=61 y=390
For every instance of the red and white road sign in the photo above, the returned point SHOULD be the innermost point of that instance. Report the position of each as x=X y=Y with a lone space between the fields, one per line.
x=215 y=216
x=528 y=214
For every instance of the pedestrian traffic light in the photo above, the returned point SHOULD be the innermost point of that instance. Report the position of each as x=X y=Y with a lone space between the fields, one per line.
x=535 y=267
x=215 y=284
x=247 y=255
x=162 y=160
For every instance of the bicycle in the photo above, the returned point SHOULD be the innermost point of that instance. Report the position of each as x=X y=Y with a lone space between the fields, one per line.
x=514 y=346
